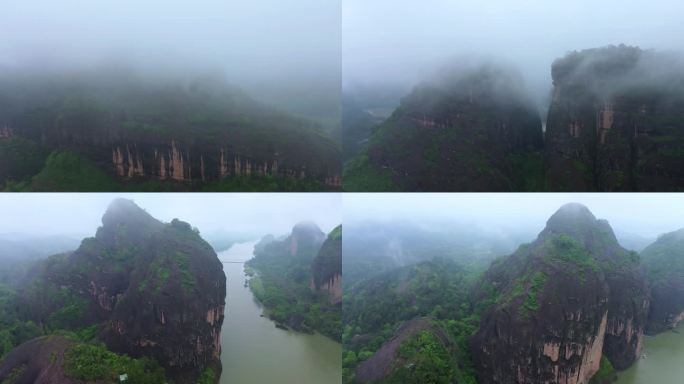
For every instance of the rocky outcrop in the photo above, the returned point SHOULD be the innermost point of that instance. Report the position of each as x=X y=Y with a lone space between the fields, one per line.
x=616 y=121
x=385 y=360
x=326 y=268
x=463 y=132
x=664 y=264
x=306 y=238
x=560 y=303
x=38 y=361
x=156 y=290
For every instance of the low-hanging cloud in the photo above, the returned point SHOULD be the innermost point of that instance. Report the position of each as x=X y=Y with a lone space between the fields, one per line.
x=274 y=49
x=393 y=42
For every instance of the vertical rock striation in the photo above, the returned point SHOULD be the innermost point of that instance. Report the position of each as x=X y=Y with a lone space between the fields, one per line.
x=560 y=303
x=616 y=121
x=327 y=267
x=156 y=290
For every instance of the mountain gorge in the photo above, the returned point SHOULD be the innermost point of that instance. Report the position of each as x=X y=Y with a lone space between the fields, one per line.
x=150 y=134
x=614 y=123
x=142 y=288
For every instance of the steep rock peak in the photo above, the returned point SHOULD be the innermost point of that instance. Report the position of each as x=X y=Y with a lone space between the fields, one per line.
x=122 y=211
x=577 y=221
x=307 y=228
x=124 y=219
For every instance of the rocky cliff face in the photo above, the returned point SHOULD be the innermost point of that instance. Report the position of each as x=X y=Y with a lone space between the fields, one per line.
x=664 y=264
x=155 y=290
x=560 y=303
x=149 y=131
x=461 y=133
x=616 y=121
x=326 y=268
x=38 y=361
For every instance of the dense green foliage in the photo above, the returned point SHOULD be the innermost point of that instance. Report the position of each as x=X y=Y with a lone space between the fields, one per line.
x=569 y=251
x=423 y=358
x=19 y=160
x=606 y=373
x=93 y=362
x=66 y=171
x=207 y=377
x=13 y=329
x=375 y=308
x=664 y=259
x=360 y=175
x=283 y=287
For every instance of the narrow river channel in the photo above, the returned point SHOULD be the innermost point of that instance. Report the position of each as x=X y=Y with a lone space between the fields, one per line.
x=255 y=351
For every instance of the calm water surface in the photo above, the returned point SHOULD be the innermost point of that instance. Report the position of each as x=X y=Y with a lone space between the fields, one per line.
x=255 y=351
x=664 y=362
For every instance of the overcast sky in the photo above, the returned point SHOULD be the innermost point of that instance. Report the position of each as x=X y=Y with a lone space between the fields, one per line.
x=259 y=213
x=645 y=214
x=402 y=41
x=256 y=42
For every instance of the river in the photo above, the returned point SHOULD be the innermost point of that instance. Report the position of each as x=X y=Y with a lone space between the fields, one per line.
x=663 y=363
x=255 y=351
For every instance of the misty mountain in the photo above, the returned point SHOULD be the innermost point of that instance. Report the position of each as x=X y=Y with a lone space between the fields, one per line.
x=571 y=305
x=297 y=277
x=356 y=127
x=614 y=124
x=664 y=264
x=616 y=121
x=572 y=289
x=112 y=128
x=139 y=287
x=469 y=129
x=19 y=252
x=632 y=241
x=371 y=248
x=31 y=247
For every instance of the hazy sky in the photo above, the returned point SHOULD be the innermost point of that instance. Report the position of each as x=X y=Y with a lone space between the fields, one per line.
x=256 y=42
x=260 y=213
x=402 y=41
x=645 y=214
